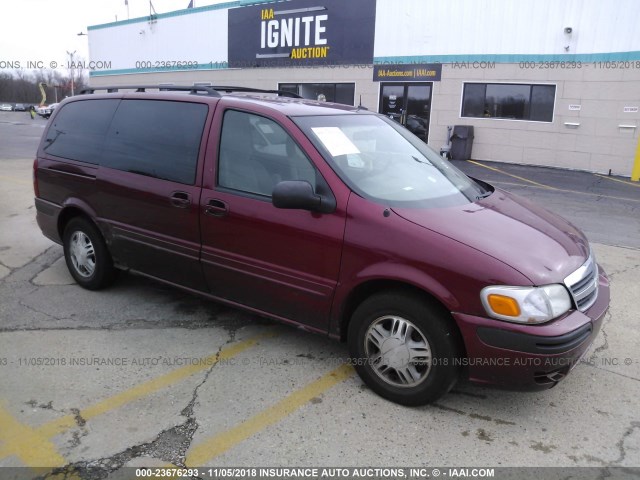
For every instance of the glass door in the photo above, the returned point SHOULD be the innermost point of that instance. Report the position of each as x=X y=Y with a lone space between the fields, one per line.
x=408 y=104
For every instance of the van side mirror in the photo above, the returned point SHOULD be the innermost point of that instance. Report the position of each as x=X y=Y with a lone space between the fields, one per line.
x=299 y=195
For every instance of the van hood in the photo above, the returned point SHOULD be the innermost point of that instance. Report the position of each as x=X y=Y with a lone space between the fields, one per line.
x=541 y=245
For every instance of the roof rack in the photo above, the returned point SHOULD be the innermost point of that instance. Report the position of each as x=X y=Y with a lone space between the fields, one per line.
x=280 y=93
x=163 y=88
x=211 y=90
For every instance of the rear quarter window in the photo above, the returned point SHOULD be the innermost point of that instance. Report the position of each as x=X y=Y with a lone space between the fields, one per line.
x=156 y=138
x=78 y=130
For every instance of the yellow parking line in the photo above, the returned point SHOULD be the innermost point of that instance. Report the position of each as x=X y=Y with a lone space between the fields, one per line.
x=548 y=187
x=617 y=180
x=220 y=443
x=29 y=445
x=15 y=180
x=65 y=423
x=14 y=443
x=512 y=175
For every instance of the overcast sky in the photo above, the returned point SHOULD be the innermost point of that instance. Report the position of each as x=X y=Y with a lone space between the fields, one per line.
x=44 y=30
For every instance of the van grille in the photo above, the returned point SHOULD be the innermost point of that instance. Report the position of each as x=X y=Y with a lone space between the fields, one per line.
x=583 y=284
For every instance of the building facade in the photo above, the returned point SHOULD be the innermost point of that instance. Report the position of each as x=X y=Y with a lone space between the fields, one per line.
x=542 y=82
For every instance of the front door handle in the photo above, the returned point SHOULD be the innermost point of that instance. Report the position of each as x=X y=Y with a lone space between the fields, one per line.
x=180 y=199
x=216 y=208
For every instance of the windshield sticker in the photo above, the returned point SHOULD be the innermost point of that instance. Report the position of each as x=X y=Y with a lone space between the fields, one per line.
x=335 y=141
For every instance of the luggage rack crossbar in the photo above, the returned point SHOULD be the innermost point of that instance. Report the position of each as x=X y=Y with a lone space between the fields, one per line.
x=210 y=90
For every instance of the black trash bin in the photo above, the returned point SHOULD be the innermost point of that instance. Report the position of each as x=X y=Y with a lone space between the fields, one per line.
x=461 y=142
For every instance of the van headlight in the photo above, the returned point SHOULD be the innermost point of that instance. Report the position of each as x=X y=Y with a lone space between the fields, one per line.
x=526 y=304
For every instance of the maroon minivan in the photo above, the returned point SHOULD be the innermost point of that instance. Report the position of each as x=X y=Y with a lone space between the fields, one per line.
x=324 y=216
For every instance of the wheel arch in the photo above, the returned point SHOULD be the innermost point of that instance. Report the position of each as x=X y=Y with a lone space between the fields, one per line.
x=72 y=210
x=102 y=273
x=372 y=287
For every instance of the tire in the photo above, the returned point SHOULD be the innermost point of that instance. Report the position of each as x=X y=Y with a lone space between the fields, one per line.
x=416 y=374
x=86 y=254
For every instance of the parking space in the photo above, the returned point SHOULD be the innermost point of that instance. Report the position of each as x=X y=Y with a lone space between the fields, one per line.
x=143 y=374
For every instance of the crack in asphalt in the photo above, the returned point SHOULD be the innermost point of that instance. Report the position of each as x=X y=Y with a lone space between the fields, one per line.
x=161 y=447
x=44 y=406
x=605 y=345
x=613 y=274
x=170 y=445
x=188 y=311
x=115 y=328
x=11 y=269
x=620 y=444
x=610 y=371
x=35 y=310
x=592 y=360
x=40 y=262
x=45 y=265
x=474 y=416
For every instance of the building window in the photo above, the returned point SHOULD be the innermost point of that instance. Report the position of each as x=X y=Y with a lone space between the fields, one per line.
x=509 y=101
x=328 y=92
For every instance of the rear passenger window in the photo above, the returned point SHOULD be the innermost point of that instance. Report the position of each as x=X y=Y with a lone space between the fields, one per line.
x=79 y=129
x=256 y=154
x=156 y=138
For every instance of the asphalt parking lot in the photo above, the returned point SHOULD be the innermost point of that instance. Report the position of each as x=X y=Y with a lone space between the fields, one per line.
x=145 y=375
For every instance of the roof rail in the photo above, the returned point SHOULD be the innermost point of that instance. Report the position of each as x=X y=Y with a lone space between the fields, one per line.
x=230 y=89
x=194 y=89
x=211 y=90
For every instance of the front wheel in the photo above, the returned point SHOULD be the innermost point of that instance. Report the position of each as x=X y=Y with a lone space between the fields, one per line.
x=404 y=348
x=86 y=254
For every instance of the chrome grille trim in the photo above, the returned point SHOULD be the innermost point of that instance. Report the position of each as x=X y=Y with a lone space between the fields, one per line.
x=583 y=284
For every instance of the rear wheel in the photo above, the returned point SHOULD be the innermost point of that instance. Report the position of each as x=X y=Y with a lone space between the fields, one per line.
x=86 y=254
x=404 y=348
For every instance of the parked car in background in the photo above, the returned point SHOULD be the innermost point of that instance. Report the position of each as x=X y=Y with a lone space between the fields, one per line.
x=45 y=111
x=5 y=107
x=324 y=216
x=20 y=107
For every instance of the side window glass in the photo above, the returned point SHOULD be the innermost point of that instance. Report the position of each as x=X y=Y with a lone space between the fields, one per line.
x=256 y=154
x=156 y=138
x=78 y=130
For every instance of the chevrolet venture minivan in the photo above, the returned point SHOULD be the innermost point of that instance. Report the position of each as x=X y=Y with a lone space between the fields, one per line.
x=324 y=216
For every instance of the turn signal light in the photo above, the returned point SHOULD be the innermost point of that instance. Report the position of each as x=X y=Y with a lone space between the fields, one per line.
x=504 y=305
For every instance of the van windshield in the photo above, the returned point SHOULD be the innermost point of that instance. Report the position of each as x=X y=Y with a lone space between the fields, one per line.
x=382 y=161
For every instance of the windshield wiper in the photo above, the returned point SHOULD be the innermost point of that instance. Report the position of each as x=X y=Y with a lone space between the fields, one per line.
x=51 y=141
x=422 y=161
x=484 y=195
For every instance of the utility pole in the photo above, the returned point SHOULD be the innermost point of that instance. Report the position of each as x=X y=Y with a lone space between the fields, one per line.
x=72 y=64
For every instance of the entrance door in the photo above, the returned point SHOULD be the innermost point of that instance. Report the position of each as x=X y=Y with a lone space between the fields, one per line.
x=408 y=104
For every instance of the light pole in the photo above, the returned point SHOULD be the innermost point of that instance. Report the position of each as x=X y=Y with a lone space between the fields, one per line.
x=71 y=54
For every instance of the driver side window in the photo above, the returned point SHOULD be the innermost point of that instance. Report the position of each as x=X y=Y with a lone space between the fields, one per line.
x=256 y=154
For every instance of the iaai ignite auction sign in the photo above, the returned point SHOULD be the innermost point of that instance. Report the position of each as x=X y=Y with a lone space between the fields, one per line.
x=302 y=32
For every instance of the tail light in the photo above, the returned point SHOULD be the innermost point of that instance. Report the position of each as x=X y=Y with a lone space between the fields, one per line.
x=36 y=190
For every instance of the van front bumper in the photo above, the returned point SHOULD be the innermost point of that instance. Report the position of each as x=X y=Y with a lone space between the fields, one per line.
x=530 y=357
